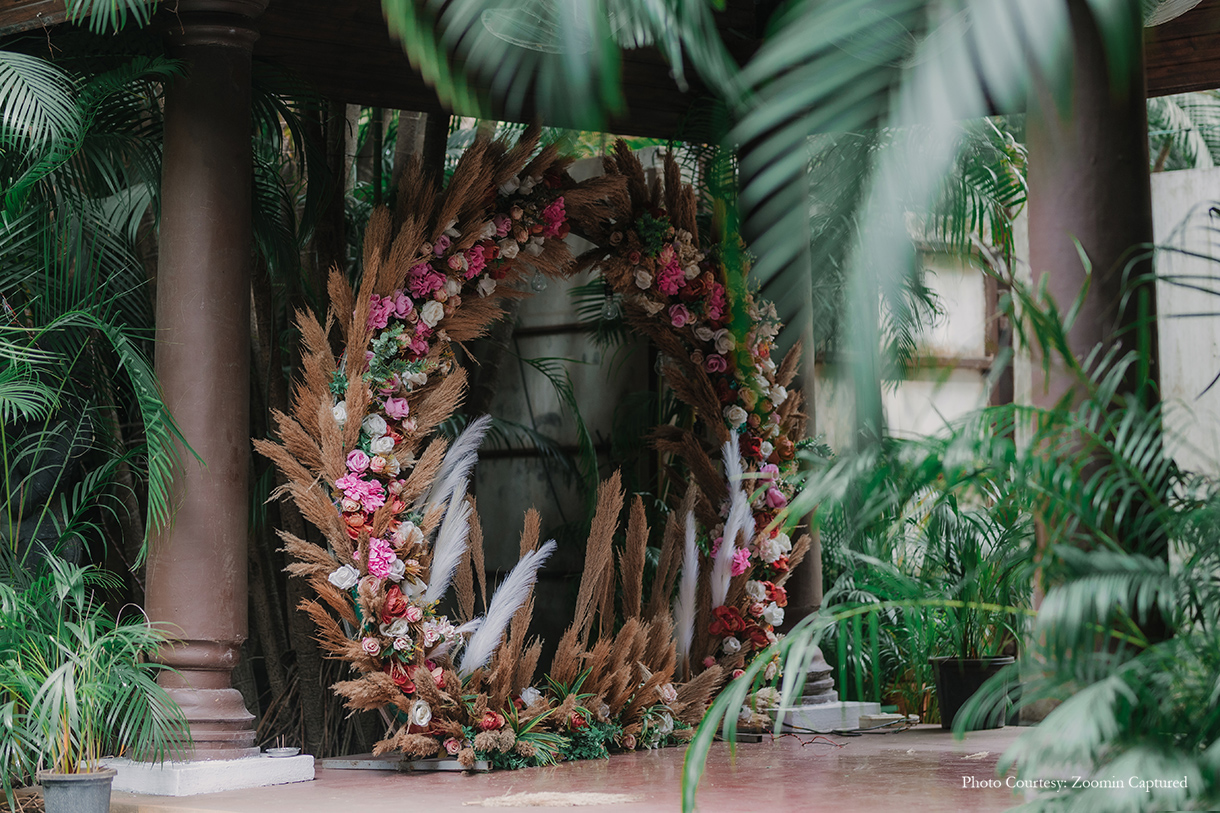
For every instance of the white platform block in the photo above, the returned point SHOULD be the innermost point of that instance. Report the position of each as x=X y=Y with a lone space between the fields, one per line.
x=193 y=778
x=838 y=716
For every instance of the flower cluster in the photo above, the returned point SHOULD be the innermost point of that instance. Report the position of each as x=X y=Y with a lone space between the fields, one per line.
x=672 y=280
x=409 y=347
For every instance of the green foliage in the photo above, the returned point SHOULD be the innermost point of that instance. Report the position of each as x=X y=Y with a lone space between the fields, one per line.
x=590 y=742
x=75 y=682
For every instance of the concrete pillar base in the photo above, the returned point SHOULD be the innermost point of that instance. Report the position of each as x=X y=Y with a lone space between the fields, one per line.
x=193 y=778
x=221 y=727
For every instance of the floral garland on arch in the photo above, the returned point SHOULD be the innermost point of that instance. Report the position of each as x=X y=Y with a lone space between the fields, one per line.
x=716 y=341
x=361 y=462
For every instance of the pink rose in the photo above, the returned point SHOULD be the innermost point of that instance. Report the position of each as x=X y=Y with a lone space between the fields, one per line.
x=402 y=304
x=709 y=662
x=715 y=363
x=414 y=614
x=452 y=746
x=738 y=673
x=679 y=316
x=776 y=498
x=769 y=472
x=503 y=224
x=756 y=609
x=441 y=245
x=741 y=561
x=370 y=646
x=397 y=408
x=377 y=464
x=357 y=461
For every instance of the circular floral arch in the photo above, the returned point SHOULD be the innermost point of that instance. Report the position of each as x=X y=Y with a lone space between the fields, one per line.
x=363 y=464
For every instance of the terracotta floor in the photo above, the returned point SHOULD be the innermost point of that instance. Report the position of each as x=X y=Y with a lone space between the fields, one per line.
x=917 y=770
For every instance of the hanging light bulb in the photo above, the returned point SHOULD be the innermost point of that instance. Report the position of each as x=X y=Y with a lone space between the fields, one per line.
x=538 y=282
x=610 y=308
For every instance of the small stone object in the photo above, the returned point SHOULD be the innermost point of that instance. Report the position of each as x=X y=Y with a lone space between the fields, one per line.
x=286 y=751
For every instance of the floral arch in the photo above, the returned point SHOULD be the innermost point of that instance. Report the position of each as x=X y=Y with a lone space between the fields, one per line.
x=362 y=462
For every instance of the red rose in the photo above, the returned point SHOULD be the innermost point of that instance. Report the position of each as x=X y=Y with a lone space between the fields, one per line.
x=492 y=721
x=777 y=594
x=398 y=673
x=724 y=392
x=728 y=620
x=751 y=446
x=755 y=635
x=780 y=564
x=395 y=605
x=577 y=721
x=694 y=289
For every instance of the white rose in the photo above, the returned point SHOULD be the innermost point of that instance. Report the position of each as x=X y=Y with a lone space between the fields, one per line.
x=770 y=429
x=768 y=365
x=690 y=272
x=735 y=415
x=771 y=671
x=374 y=425
x=453 y=287
x=432 y=313
x=730 y=645
x=784 y=542
x=382 y=445
x=431 y=634
x=534 y=246
x=643 y=280
x=399 y=569
x=530 y=696
x=344 y=578
x=398 y=628
x=402 y=643
x=766 y=449
x=451 y=229
x=669 y=695
x=416 y=379
x=756 y=590
x=773 y=614
x=745 y=715
x=340 y=412
x=724 y=341
x=778 y=395
x=407 y=534
x=768 y=551
x=486 y=286
x=761 y=382
x=704 y=334
x=421 y=713
x=488 y=232
x=667 y=724
x=510 y=186
x=508 y=248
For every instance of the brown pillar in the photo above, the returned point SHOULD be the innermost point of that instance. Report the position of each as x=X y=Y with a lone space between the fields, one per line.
x=1088 y=179
x=197 y=567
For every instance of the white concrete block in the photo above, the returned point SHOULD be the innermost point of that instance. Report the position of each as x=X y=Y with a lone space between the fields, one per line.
x=193 y=778
x=825 y=717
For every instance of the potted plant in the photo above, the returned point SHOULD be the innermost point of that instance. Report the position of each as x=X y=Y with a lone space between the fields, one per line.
x=75 y=686
x=976 y=563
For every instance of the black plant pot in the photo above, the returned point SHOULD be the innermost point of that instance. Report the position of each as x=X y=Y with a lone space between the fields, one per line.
x=77 y=792
x=957 y=679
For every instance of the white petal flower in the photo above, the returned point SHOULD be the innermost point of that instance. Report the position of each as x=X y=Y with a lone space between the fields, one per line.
x=374 y=425
x=530 y=696
x=432 y=313
x=756 y=590
x=340 y=412
x=509 y=248
x=487 y=285
x=382 y=445
x=773 y=614
x=344 y=578
x=730 y=645
x=421 y=713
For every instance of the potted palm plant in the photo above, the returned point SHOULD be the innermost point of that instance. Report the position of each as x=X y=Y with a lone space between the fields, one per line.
x=74 y=687
x=977 y=572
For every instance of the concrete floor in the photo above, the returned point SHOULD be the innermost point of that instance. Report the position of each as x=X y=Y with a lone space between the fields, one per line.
x=917 y=770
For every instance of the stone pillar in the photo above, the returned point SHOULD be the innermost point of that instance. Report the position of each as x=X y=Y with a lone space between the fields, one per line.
x=1089 y=182
x=197 y=566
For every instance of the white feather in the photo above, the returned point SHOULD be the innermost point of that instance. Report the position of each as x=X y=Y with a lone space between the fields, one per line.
x=450 y=546
x=513 y=592
x=684 y=604
x=740 y=519
x=456 y=467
